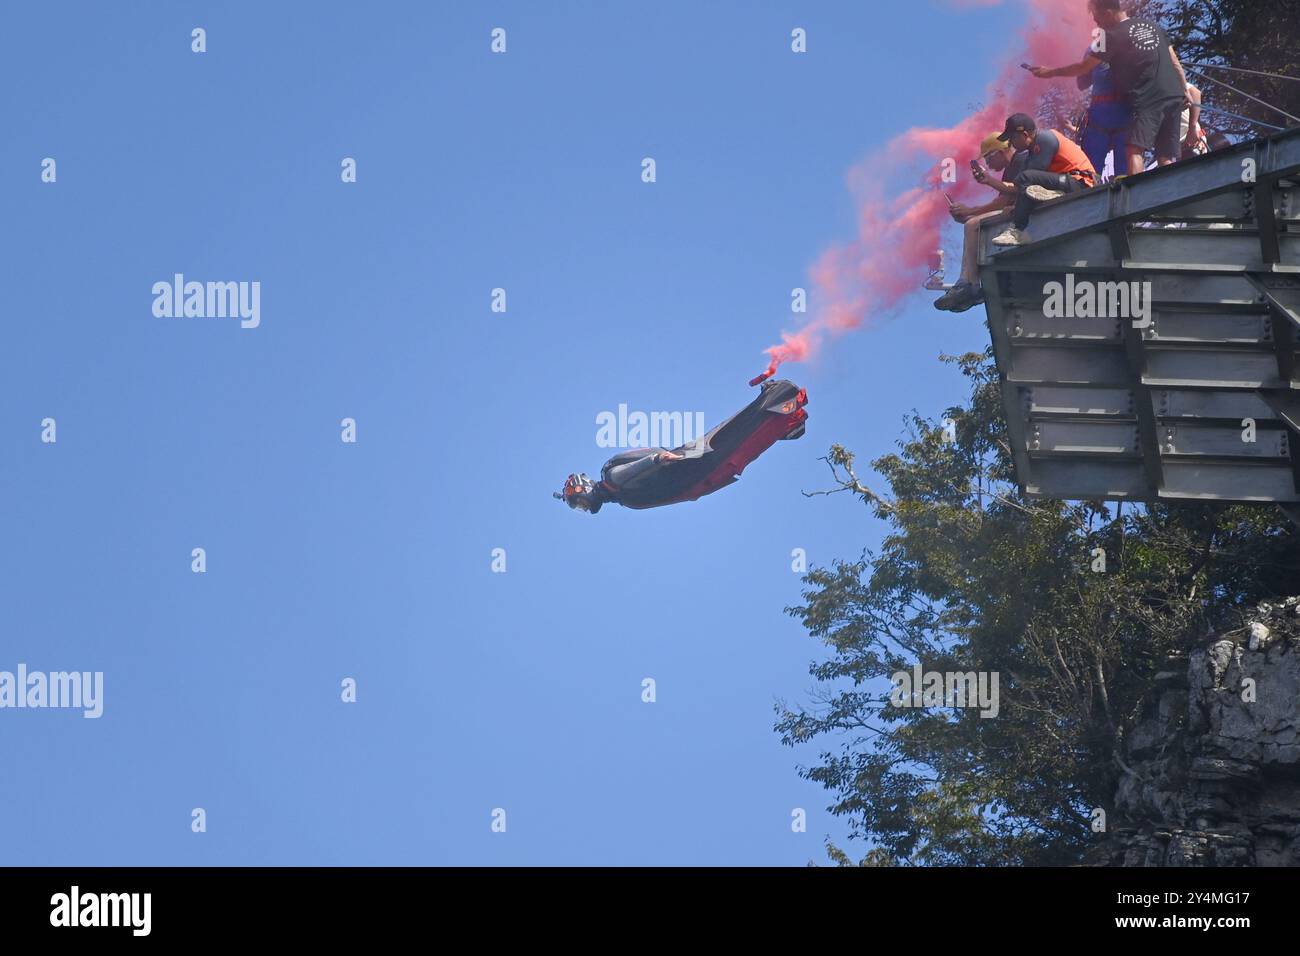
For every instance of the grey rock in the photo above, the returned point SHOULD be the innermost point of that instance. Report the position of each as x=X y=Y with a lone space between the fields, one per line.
x=1215 y=759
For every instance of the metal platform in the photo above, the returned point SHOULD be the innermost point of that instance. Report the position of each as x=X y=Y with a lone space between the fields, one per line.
x=1102 y=408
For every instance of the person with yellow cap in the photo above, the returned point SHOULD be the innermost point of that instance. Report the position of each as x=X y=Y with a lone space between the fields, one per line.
x=1000 y=157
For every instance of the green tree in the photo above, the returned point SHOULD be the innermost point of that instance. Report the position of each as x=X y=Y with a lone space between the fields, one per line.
x=972 y=575
x=1261 y=35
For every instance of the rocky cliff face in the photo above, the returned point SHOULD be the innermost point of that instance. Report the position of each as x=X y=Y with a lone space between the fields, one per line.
x=1214 y=767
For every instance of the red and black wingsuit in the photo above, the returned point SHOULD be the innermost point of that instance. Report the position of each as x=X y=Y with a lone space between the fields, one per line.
x=650 y=477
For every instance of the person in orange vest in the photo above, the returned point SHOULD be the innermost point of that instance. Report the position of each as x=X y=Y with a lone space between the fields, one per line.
x=1056 y=167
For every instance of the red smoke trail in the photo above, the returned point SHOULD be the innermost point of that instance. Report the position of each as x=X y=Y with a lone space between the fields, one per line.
x=897 y=234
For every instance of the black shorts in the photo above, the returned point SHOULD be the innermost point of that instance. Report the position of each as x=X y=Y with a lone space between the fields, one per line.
x=1156 y=126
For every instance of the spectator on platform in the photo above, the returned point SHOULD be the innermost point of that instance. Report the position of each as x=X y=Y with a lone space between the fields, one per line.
x=1147 y=75
x=1000 y=158
x=1054 y=167
x=1105 y=130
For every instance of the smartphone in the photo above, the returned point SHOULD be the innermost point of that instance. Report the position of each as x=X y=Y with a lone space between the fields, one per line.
x=1025 y=66
x=949 y=198
x=975 y=166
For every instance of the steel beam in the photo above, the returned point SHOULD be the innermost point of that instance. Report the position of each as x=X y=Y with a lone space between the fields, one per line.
x=1004 y=359
x=1287 y=407
x=1099 y=409
x=1282 y=295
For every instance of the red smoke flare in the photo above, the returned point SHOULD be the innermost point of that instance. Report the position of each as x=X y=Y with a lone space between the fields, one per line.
x=897 y=234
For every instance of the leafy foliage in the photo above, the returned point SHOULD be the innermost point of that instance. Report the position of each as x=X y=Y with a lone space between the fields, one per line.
x=972 y=575
x=1261 y=35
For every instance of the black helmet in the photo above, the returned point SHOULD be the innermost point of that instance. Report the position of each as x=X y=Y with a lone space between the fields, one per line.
x=580 y=493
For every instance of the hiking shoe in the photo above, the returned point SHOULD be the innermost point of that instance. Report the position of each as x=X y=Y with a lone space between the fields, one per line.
x=973 y=296
x=954 y=295
x=1042 y=193
x=1012 y=237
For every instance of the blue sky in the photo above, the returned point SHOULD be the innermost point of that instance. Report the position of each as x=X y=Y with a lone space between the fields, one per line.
x=372 y=560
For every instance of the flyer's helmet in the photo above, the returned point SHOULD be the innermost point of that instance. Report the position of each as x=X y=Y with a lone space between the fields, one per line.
x=580 y=492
